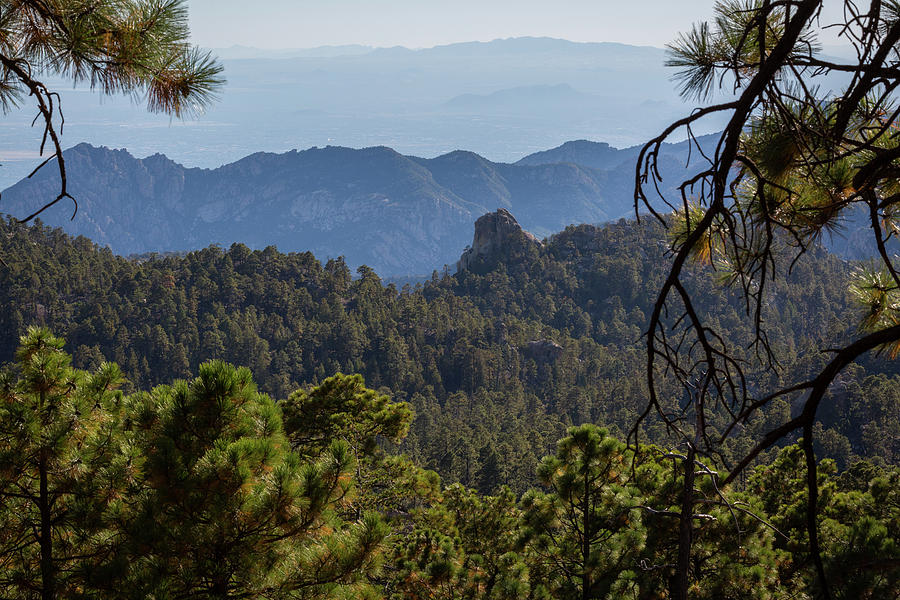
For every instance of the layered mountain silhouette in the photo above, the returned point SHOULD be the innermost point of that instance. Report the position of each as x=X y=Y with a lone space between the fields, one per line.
x=398 y=214
x=513 y=96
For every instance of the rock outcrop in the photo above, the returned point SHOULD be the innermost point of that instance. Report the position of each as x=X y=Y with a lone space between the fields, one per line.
x=494 y=232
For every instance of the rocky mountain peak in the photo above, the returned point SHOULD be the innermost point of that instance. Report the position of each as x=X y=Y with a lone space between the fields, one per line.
x=494 y=232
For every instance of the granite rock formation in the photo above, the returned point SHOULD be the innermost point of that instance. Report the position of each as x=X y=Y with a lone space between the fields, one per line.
x=494 y=232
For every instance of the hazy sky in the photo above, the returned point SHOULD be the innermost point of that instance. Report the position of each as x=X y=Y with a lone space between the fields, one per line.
x=424 y=23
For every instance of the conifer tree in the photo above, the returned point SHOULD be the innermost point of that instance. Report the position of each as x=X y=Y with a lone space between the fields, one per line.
x=587 y=528
x=228 y=510
x=343 y=408
x=732 y=541
x=63 y=469
x=800 y=156
x=859 y=524
x=466 y=546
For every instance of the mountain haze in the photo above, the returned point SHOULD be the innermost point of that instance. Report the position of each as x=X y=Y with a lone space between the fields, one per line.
x=502 y=99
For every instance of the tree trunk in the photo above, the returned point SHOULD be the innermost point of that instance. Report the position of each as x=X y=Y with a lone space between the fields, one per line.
x=48 y=576
x=685 y=530
x=586 y=540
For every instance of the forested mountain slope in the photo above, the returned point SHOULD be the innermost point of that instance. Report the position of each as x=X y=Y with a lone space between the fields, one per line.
x=496 y=360
x=401 y=215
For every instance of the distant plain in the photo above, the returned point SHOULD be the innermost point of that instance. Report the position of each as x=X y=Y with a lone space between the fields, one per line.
x=502 y=99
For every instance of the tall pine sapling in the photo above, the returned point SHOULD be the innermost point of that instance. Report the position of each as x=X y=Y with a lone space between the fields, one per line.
x=63 y=470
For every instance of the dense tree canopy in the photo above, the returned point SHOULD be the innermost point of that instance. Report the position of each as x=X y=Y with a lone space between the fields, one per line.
x=176 y=477
x=207 y=488
x=456 y=350
x=190 y=490
x=62 y=468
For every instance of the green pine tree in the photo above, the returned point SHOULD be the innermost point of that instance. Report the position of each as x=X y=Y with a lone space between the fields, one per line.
x=587 y=528
x=228 y=510
x=63 y=469
x=465 y=546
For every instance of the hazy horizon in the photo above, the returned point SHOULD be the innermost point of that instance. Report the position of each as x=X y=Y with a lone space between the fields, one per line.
x=279 y=24
x=289 y=24
x=429 y=47
x=408 y=107
x=502 y=100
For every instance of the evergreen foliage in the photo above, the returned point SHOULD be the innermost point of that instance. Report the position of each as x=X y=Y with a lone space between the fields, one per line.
x=189 y=490
x=63 y=469
x=587 y=529
x=194 y=489
x=226 y=509
x=800 y=157
x=455 y=350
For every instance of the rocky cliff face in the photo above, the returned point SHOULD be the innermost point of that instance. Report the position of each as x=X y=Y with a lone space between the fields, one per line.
x=494 y=233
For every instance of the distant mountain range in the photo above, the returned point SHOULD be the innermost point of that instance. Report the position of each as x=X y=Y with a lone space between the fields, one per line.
x=502 y=99
x=399 y=214
x=238 y=52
